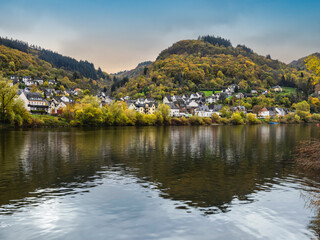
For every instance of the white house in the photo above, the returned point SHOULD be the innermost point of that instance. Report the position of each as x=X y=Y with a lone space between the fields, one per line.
x=263 y=113
x=34 y=102
x=174 y=110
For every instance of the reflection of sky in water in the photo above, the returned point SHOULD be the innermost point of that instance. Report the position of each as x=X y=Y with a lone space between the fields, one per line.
x=162 y=183
x=119 y=208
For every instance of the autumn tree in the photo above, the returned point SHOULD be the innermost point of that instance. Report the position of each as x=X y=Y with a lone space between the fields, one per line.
x=7 y=97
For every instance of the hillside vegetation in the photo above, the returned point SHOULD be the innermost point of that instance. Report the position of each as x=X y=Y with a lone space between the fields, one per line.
x=17 y=58
x=209 y=63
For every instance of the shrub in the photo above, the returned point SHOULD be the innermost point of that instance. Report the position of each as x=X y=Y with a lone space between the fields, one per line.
x=195 y=120
x=207 y=121
x=215 y=118
x=176 y=121
x=236 y=118
x=252 y=118
x=224 y=121
x=316 y=117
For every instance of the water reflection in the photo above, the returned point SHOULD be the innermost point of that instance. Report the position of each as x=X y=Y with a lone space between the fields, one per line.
x=204 y=167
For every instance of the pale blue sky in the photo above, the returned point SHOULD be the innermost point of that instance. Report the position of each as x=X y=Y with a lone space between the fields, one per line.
x=117 y=35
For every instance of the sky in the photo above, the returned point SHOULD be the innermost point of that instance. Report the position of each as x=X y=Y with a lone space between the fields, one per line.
x=117 y=35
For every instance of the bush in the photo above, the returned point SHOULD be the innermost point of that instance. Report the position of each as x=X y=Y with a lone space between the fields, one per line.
x=316 y=117
x=207 y=121
x=176 y=121
x=224 y=121
x=215 y=118
x=195 y=120
x=236 y=118
x=252 y=118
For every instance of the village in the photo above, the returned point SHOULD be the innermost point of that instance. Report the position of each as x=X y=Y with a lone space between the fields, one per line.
x=53 y=101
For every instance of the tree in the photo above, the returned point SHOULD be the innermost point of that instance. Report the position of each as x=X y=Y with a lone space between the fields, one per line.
x=256 y=109
x=7 y=97
x=313 y=64
x=248 y=89
x=303 y=106
x=164 y=109
x=86 y=92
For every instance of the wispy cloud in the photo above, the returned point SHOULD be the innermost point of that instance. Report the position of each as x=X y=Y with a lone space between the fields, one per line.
x=117 y=35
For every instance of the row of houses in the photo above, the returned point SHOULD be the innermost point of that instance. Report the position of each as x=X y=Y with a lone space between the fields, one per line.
x=28 y=81
x=35 y=103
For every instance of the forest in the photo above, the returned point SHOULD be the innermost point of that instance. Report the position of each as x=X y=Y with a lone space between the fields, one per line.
x=83 y=68
x=211 y=63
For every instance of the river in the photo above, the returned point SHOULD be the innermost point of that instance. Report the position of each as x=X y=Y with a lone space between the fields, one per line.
x=207 y=182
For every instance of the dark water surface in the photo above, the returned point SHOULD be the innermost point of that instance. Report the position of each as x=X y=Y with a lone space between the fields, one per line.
x=217 y=182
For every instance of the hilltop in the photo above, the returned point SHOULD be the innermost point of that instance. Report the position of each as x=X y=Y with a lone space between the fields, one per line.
x=208 y=63
x=133 y=72
x=300 y=63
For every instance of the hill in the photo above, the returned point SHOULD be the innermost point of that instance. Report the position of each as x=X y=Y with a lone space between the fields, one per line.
x=18 y=58
x=208 y=63
x=132 y=73
x=300 y=63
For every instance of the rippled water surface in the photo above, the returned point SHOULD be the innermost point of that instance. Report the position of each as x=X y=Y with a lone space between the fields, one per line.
x=217 y=182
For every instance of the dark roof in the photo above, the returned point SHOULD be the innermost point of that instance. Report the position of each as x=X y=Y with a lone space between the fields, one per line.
x=172 y=106
x=215 y=107
x=34 y=96
x=168 y=97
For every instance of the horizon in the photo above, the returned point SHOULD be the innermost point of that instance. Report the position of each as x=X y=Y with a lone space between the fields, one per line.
x=118 y=36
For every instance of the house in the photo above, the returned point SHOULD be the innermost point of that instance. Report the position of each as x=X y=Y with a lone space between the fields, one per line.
x=239 y=109
x=140 y=108
x=140 y=101
x=34 y=102
x=167 y=99
x=52 y=82
x=239 y=95
x=177 y=98
x=30 y=83
x=26 y=78
x=263 y=113
x=149 y=100
x=203 y=111
x=174 y=110
x=14 y=79
x=192 y=104
x=38 y=81
x=211 y=99
x=280 y=112
x=215 y=108
x=277 y=88
x=254 y=92
x=150 y=107
x=57 y=105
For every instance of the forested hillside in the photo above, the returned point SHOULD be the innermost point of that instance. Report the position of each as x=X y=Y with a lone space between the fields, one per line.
x=15 y=62
x=300 y=63
x=18 y=58
x=209 y=63
x=132 y=73
x=82 y=68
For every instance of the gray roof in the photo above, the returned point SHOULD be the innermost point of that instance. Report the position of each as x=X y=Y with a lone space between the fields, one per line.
x=34 y=96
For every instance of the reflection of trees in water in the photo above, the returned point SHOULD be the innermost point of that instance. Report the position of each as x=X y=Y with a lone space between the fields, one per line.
x=203 y=166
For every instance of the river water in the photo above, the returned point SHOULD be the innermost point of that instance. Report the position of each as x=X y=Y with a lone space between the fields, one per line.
x=214 y=182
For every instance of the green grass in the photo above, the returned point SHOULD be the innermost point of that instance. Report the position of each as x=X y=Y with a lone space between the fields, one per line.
x=288 y=90
x=207 y=93
x=217 y=91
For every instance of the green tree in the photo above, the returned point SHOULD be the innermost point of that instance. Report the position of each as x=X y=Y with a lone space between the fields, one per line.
x=164 y=109
x=7 y=97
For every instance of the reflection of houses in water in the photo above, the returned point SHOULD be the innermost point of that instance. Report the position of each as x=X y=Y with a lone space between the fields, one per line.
x=39 y=148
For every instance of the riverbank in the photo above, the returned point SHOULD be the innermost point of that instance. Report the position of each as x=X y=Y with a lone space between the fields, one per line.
x=48 y=121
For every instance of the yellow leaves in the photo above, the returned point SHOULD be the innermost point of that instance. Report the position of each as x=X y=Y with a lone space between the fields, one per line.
x=250 y=63
x=313 y=65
